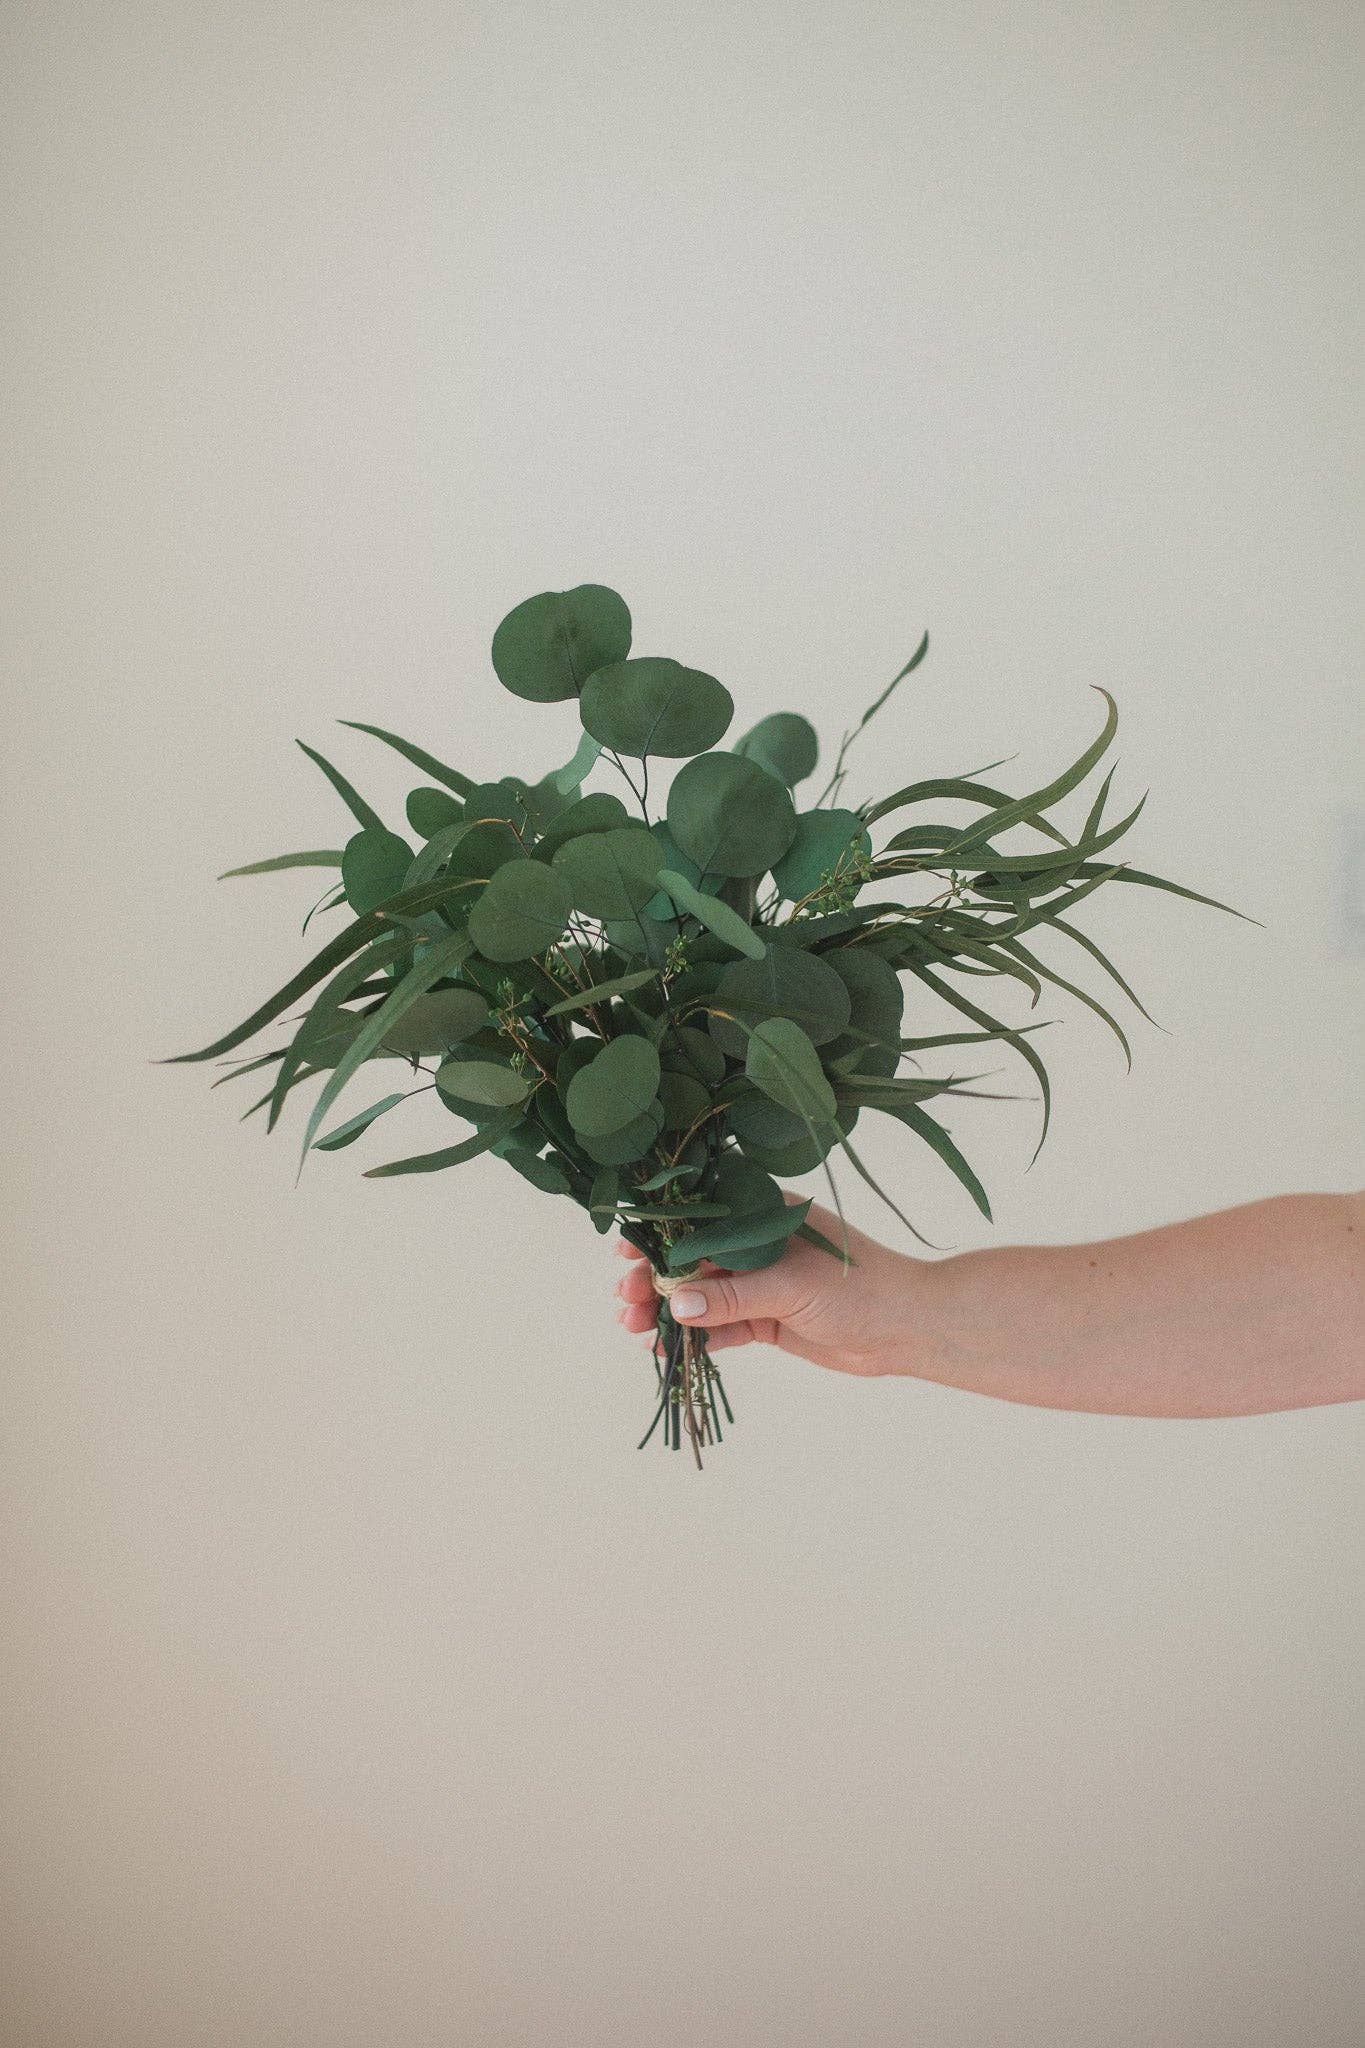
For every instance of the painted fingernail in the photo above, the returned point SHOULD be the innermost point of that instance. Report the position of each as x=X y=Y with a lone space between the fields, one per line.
x=687 y=1302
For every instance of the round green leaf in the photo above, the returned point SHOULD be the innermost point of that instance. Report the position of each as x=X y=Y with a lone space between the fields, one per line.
x=374 y=866
x=655 y=706
x=730 y=816
x=599 y=812
x=693 y=1052
x=685 y=1100
x=631 y=1142
x=822 y=840
x=876 y=1005
x=481 y=1081
x=482 y=849
x=782 y=1062
x=786 y=982
x=523 y=910
x=785 y=744
x=503 y=799
x=611 y=875
x=546 y=648
x=436 y=1022
x=618 y=1083
x=431 y=810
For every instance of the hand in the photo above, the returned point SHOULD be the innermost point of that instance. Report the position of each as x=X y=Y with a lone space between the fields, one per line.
x=860 y=1319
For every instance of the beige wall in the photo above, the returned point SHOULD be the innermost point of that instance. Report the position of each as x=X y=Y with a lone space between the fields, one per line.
x=360 y=1684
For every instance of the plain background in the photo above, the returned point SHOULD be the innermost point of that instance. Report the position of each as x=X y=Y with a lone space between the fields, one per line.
x=361 y=1685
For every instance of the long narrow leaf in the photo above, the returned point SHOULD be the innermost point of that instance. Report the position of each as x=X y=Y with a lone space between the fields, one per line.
x=355 y=1126
x=621 y=985
x=326 y=1012
x=418 y=756
x=1073 y=989
x=451 y=1155
x=1014 y=1039
x=938 y=1140
x=325 y=857
x=410 y=904
x=354 y=802
x=1051 y=792
x=439 y=959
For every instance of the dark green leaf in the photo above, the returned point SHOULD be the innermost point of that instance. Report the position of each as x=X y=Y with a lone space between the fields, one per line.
x=824 y=843
x=721 y=1240
x=418 y=756
x=784 y=743
x=938 y=1140
x=1013 y=813
x=631 y=1142
x=729 y=815
x=615 y=1086
x=782 y=1062
x=433 y=810
x=523 y=910
x=484 y=1082
x=718 y=917
x=326 y=858
x=655 y=706
x=787 y=982
x=354 y=802
x=597 y=812
x=610 y=875
x=436 y=1023
x=374 y=868
x=450 y=1155
x=604 y=991
x=437 y=960
x=547 y=647
x=347 y=1133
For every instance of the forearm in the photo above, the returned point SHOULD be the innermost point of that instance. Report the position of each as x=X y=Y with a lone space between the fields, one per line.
x=1241 y=1313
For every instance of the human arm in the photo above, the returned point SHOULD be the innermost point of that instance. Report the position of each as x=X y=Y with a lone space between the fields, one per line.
x=1243 y=1312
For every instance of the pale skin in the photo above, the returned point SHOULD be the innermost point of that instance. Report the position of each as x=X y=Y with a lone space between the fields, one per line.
x=1245 y=1312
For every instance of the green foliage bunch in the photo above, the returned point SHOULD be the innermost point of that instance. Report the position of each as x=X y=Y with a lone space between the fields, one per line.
x=661 y=1018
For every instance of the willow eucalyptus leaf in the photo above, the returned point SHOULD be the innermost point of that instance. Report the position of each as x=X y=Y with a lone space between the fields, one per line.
x=726 y=924
x=326 y=857
x=620 y=985
x=450 y=1155
x=356 y=1126
x=354 y=802
x=437 y=960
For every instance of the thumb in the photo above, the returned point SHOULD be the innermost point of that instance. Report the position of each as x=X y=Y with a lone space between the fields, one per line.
x=712 y=1300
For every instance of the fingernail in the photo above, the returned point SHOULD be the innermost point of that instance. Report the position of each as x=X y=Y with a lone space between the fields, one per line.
x=620 y=1315
x=686 y=1302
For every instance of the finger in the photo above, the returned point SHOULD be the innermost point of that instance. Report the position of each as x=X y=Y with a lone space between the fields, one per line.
x=636 y=1285
x=624 y=1249
x=638 y=1316
x=776 y=1293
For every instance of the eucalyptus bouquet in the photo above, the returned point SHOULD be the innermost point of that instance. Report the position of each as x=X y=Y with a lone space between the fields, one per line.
x=663 y=1017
